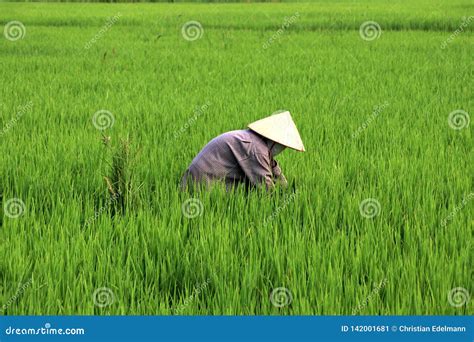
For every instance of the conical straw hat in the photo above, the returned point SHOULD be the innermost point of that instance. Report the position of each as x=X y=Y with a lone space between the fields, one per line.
x=279 y=128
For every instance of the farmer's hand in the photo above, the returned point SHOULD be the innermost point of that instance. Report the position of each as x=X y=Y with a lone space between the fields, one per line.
x=278 y=175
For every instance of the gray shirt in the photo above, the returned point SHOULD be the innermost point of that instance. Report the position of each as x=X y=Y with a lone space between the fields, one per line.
x=234 y=157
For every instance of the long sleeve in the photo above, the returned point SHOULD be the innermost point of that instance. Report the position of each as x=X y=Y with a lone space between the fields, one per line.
x=257 y=168
x=278 y=175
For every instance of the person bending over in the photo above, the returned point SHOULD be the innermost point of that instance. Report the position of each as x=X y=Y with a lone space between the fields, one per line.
x=246 y=156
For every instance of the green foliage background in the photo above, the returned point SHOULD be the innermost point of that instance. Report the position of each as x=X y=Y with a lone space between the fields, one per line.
x=317 y=245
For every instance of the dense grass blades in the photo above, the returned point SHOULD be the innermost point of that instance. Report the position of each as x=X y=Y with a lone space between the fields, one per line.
x=378 y=217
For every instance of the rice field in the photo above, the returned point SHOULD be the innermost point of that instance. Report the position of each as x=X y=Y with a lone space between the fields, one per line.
x=103 y=107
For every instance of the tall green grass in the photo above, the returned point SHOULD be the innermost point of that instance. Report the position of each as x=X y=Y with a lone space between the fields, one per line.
x=312 y=239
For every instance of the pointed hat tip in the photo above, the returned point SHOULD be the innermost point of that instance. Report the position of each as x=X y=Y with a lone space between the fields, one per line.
x=280 y=128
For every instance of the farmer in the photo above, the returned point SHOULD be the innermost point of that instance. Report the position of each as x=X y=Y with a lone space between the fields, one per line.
x=246 y=156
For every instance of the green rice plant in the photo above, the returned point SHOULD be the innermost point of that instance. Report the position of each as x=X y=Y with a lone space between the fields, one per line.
x=378 y=215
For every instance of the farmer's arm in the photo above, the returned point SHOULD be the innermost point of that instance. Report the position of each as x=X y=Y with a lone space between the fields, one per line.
x=257 y=168
x=278 y=175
